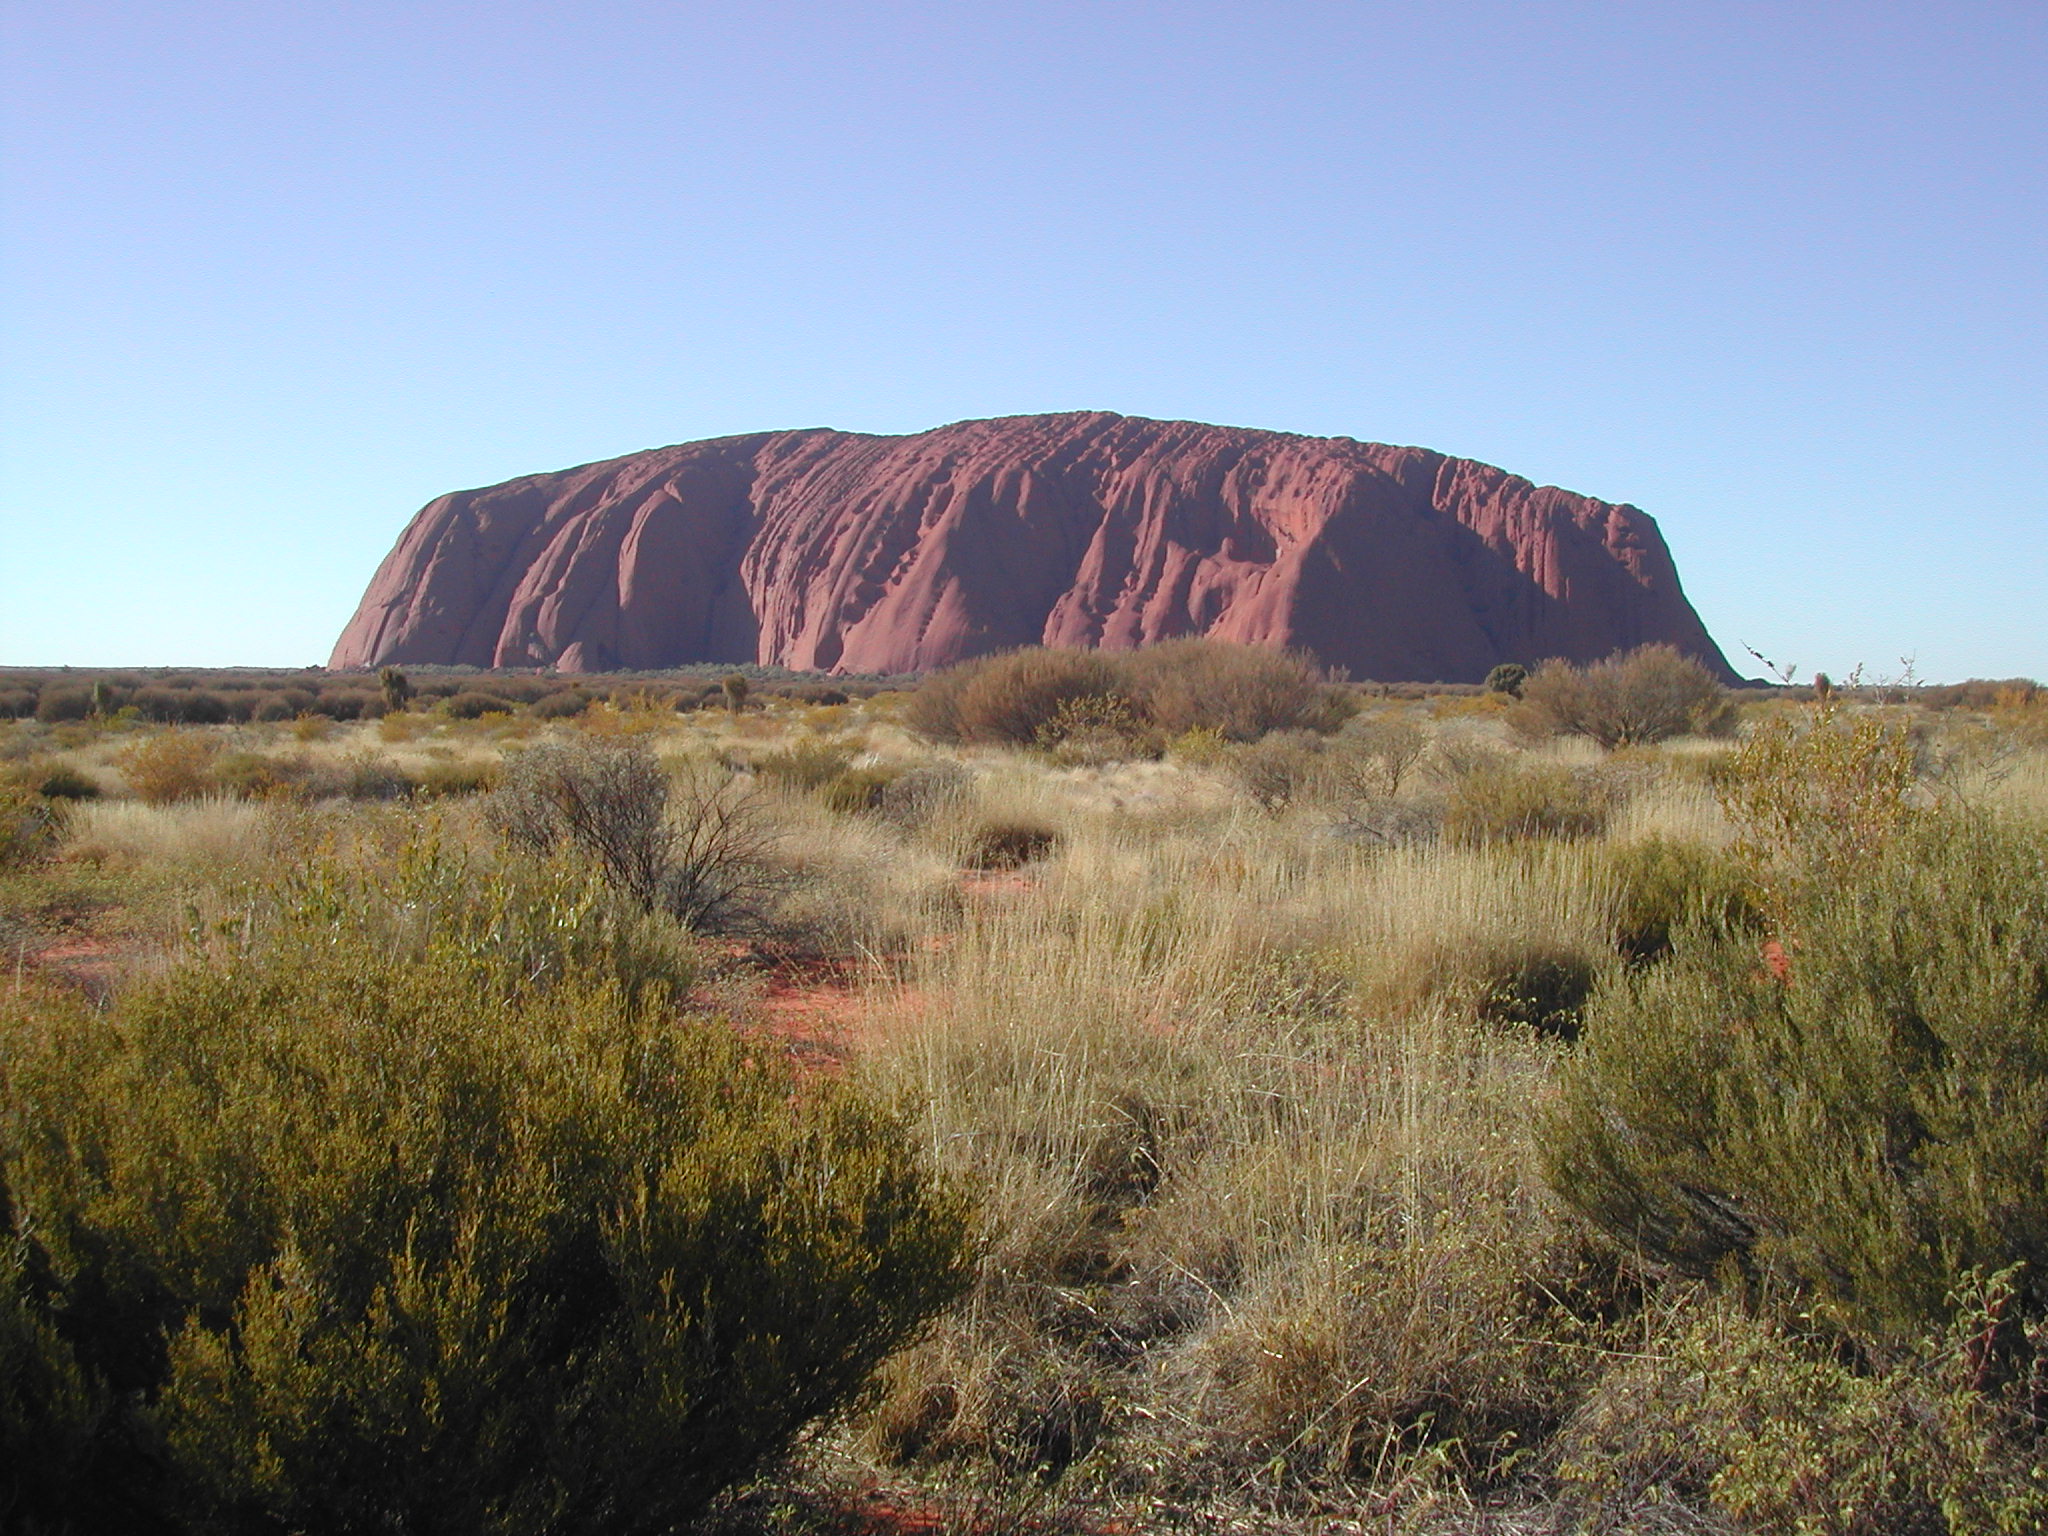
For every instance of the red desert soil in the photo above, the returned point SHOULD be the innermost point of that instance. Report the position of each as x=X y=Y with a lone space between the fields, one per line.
x=92 y=965
x=817 y=1006
x=844 y=552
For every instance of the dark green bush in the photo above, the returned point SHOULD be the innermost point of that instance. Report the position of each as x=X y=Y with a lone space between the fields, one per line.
x=916 y=796
x=1752 y=1412
x=255 y=776
x=395 y=688
x=472 y=705
x=1542 y=990
x=1663 y=884
x=1863 y=1113
x=565 y=705
x=1281 y=769
x=362 y=777
x=1098 y=729
x=1507 y=678
x=444 y=780
x=321 y=1241
x=693 y=846
x=384 y=1221
x=806 y=766
x=1001 y=845
x=345 y=705
x=1039 y=697
x=29 y=826
x=63 y=782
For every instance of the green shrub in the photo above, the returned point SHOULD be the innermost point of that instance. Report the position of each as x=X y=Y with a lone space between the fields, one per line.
x=1499 y=801
x=170 y=766
x=254 y=775
x=473 y=705
x=1280 y=769
x=560 y=706
x=1778 y=1429
x=1646 y=695
x=287 y=705
x=1864 y=1117
x=65 y=783
x=917 y=796
x=395 y=687
x=1664 y=884
x=1541 y=990
x=55 y=706
x=1507 y=678
x=52 y=781
x=1818 y=798
x=361 y=777
x=29 y=827
x=332 y=1242
x=1380 y=752
x=1097 y=729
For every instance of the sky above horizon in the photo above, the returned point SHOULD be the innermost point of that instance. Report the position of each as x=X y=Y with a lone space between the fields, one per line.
x=275 y=276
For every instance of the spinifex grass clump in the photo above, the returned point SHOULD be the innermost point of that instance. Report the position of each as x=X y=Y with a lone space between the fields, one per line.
x=325 y=1237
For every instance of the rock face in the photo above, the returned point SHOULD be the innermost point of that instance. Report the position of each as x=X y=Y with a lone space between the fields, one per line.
x=841 y=552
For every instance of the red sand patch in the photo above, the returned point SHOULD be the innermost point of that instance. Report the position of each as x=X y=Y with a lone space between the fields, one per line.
x=993 y=884
x=92 y=965
x=813 y=1007
x=881 y=1512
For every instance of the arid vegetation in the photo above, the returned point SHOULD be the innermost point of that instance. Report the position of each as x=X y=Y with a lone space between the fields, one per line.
x=1077 y=1092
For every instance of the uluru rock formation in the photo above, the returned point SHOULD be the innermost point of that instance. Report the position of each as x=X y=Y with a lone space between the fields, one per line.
x=846 y=552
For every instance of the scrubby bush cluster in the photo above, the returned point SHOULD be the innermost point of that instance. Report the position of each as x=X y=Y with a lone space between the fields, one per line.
x=325 y=1236
x=693 y=845
x=1862 y=1117
x=1646 y=695
x=1046 y=698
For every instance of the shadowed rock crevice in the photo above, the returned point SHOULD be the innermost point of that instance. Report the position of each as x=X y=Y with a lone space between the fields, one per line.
x=846 y=552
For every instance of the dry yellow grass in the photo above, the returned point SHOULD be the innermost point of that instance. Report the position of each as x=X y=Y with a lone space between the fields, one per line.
x=1260 y=1214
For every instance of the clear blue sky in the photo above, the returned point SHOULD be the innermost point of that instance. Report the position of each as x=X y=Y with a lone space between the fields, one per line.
x=276 y=274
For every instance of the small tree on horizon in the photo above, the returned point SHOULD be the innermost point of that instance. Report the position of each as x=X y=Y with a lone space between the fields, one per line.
x=1507 y=678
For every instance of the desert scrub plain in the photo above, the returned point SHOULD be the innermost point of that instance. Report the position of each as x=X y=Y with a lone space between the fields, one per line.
x=1071 y=1093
